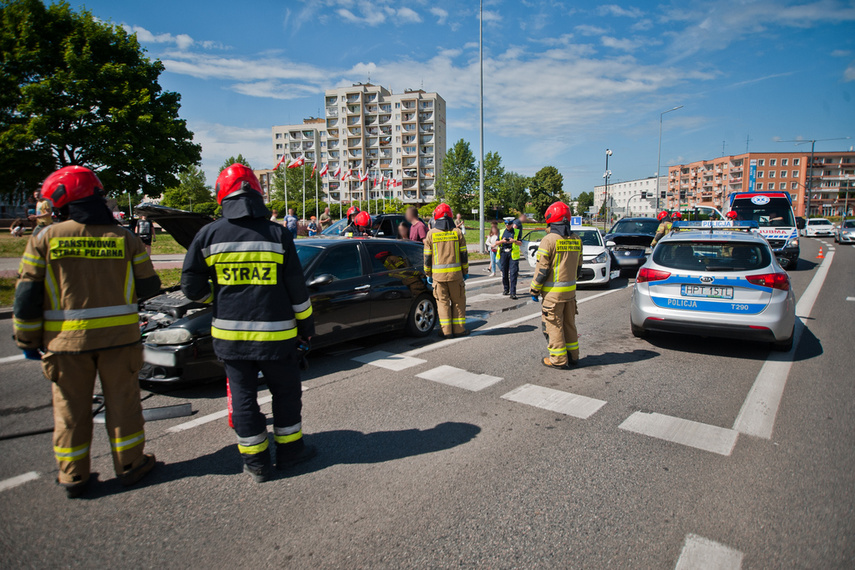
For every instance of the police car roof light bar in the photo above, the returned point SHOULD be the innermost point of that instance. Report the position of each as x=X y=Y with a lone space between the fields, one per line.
x=720 y=225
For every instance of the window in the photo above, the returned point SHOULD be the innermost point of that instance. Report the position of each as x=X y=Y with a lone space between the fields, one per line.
x=343 y=262
x=796 y=161
x=398 y=106
x=773 y=162
x=759 y=186
x=783 y=174
x=771 y=186
x=771 y=174
x=795 y=173
x=712 y=256
x=398 y=161
x=386 y=257
x=794 y=185
x=760 y=174
x=278 y=135
x=278 y=147
x=784 y=161
x=761 y=162
x=397 y=128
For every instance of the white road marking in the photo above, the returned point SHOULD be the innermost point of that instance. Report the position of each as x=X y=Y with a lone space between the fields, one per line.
x=850 y=298
x=565 y=403
x=481 y=297
x=15 y=358
x=685 y=432
x=211 y=417
x=757 y=415
x=458 y=378
x=701 y=553
x=508 y=324
x=389 y=360
x=13 y=482
x=479 y=280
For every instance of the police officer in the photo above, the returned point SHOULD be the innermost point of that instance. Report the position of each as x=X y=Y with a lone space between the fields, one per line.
x=350 y=228
x=447 y=267
x=248 y=266
x=509 y=256
x=559 y=260
x=89 y=326
x=664 y=227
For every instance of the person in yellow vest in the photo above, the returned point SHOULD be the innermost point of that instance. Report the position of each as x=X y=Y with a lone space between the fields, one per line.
x=509 y=256
x=76 y=311
x=559 y=260
x=664 y=227
x=447 y=267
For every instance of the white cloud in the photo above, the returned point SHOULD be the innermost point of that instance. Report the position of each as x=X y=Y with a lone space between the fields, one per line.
x=409 y=16
x=276 y=90
x=491 y=16
x=615 y=10
x=441 y=15
x=624 y=44
x=841 y=53
x=181 y=41
x=849 y=73
x=588 y=30
x=219 y=142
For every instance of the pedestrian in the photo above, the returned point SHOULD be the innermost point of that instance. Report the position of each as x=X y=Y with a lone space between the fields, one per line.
x=18 y=228
x=418 y=229
x=312 y=227
x=459 y=223
x=447 y=267
x=559 y=261
x=325 y=219
x=490 y=245
x=248 y=267
x=404 y=231
x=44 y=215
x=82 y=326
x=274 y=215
x=145 y=231
x=509 y=256
x=291 y=223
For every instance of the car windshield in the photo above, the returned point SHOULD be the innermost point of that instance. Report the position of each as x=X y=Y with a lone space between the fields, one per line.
x=307 y=253
x=712 y=255
x=848 y=224
x=819 y=222
x=336 y=228
x=635 y=227
x=590 y=237
x=777 y=213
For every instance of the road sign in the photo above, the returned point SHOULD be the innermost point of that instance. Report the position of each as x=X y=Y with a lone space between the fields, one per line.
x=575 y=221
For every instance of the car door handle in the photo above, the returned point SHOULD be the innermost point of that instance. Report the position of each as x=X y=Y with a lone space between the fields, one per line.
x=362 y=288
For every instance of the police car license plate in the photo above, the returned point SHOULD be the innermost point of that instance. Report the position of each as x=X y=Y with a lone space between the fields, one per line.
x=708 y=291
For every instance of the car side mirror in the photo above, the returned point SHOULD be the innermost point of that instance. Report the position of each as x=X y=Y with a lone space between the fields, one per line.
x=610 y=243
x=320 y=281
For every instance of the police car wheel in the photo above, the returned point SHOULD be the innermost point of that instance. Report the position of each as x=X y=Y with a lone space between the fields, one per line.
x=423 y=316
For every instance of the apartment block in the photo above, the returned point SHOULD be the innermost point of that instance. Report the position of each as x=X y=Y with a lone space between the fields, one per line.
x=635 y=198
x=367 y=128
x=710 y=182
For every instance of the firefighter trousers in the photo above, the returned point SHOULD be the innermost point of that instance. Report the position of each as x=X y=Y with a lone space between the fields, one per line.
x=73 y=377
x=451 y=306
x=283 y=379
x=559 y=325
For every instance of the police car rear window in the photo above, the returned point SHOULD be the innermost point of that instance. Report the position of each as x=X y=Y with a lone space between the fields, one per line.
x=712 y=256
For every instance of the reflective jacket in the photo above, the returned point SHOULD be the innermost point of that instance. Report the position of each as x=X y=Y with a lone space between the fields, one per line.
x=516 y=234
x=78 y=288
x=250 y=270
x=559 y=258
x=663 y=229
x=446 y=258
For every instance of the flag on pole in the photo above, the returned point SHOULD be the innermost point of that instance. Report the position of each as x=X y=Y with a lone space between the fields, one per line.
x=281 y=160
x=297 y=162
x=314 y=169
x=363 y=176
x=337 y=172
x=347 y=175
x=325 y=170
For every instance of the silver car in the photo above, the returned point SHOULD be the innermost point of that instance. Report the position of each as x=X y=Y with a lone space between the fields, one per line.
x=846 y=231
x=714 y=282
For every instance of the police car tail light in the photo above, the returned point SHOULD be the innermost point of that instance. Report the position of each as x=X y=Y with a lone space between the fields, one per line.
x=646 y=274
x=772 y=280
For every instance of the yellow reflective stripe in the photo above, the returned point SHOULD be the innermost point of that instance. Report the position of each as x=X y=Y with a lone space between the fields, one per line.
x=304 y=314
x=127 y=442
x=51 y=288
x=459 y=321
x=288 y=438
x=535 y=286
x=89 y=324
x=71 y=453
x=33 y=260
x=243 y=256
x=254 y=449
x=258 y=336
x=573 y=346
x=129 y=284
x=548 y=289
x=445 y=321
x=142 y=257
x=27 y=325
x=446 y=269
x=557 y=351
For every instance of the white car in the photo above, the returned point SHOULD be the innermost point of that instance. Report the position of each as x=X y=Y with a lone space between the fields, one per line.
x=818 y=227
x=596 y=259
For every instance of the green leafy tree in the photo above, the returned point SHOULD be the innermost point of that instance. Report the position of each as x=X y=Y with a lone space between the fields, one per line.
x=514 y=191
x=239 y=159
x=295 y=187
x=458 y=181
x=586 y=201
x=192 y=191
x=546 y=187
x=77 y=90
x=494 y=177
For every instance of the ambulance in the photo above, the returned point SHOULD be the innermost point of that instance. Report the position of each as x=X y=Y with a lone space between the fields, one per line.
x=773 y=212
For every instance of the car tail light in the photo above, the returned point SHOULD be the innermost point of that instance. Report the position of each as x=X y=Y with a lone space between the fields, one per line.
x=646 y=274
x=771 y=280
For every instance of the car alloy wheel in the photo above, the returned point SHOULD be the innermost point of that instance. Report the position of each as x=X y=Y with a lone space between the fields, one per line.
x=423 y=316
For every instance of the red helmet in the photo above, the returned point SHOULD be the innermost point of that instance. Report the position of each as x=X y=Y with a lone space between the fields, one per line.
x=363 y=220
x=662 y=215
x=676 y=216
x=235 y=179
x=352 y=211
x=70 y=184
x=442 y=211
x=557 y=212
x=731 y=215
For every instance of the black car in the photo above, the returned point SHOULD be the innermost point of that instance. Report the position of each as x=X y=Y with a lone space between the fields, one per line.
x=382 y=225
x=629 y=241
x=358 y=287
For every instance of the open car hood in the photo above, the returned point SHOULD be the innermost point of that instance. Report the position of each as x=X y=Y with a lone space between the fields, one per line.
x=630 y=239
x=180 y=224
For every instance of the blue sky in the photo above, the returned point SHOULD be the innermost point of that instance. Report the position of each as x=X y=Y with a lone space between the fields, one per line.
x=563 y=80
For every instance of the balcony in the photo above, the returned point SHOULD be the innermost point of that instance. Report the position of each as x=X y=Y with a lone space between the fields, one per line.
x=409 y=105
x=385 y=141
x=427 y=173
x=332 y=112
x=371 y=97
x=411 y=173
x=354 y=131
x=307 y=145
x=385 y=119
x=410 y=184
x=426 y=117
x=354 y=109
x=309 y=135
x=409 y=117
x=426 y=139
x=331 y=101
x=427 y=149
x=332 y=123
x=426 y=128
x=354 y=153
x=386 y=163
x=372 y=154
x=294 y=146
x=409 y=139
x=409 y=128
x=353 y=98
x=333 y=143
x=295 y=135
x=426 y=185
x=354 y=121
x=386 y=130
x=410 y=161
x=386 y=153
x=370 y=120
x=351 y=143
x=426 y=162
x=386 y=108
x=334 y=154
x=426 y=105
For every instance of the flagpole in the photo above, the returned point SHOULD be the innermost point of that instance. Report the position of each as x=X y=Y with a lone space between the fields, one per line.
x=303 y=168
x=481 y=165
x=285 y=176
x=317 y=215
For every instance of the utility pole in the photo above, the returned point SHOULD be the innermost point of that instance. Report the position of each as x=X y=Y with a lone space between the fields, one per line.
x=659 y=157
x=481 y=131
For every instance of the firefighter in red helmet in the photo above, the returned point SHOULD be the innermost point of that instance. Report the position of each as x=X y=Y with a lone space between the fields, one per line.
x=362 y=224
x=559 y=260
x=447 y=267
x=248 y=267
x=350 y=228
x=664 y=227
x=80 y=327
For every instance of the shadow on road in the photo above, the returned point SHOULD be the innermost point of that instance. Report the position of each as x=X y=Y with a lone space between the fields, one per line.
x=608 y=358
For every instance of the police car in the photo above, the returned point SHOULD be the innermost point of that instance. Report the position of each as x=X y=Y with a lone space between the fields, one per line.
x=714 y=279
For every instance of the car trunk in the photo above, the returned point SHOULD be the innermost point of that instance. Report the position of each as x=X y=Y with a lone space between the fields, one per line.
x=181 y=225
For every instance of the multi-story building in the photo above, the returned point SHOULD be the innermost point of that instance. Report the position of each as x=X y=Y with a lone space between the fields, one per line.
x=265 y=178
x=631 y=197
x=710 y=182
x=369 y=129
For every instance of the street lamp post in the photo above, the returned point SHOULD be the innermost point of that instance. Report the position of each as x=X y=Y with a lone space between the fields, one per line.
x=659 y=154
x=481 y=129
x=607 y=175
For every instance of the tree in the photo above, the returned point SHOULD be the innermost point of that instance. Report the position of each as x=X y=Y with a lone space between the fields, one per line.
x=295 y=186
x=239 y=159
x=546 y=187
x=494 y=175
x=586 y=201
x=458 y=179
x=191 y=191
x=77 y=90
x=514 y=191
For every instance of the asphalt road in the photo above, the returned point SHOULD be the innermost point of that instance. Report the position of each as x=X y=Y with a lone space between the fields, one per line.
x=641 y=459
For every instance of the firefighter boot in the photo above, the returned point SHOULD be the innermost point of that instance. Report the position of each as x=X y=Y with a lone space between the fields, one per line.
x=258 y=465
x=133 y=475
x=291 y=454
x=76 y=489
